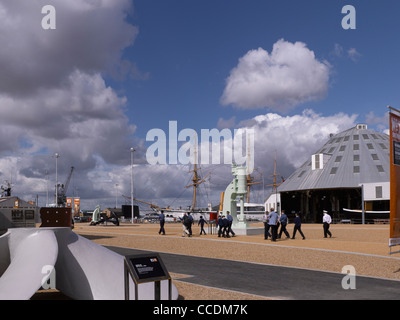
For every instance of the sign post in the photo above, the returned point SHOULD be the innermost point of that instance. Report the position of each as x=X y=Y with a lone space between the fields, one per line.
x=146 y=268
x=394 y=127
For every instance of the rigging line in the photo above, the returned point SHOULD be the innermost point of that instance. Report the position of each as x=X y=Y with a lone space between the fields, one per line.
x=184 y=189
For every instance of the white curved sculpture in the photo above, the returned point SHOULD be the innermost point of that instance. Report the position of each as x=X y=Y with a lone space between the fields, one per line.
x=84 y=270
x=27 y=254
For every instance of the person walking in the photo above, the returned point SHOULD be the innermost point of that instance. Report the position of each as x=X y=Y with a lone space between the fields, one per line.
x=201 y=223
x=297 y=227
x=185 y=222
x=230 y=221
x=220 y=226
x=326 y=220
x=273 y=221
x=266 y=226
x=284 y=221
x=162 y=222
x=189 y=226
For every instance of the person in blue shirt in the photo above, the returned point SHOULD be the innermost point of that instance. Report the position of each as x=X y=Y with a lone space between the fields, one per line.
x=162 y=222
x=284 y=221
x=273 y=221
x=230 y=220
x=297 y=227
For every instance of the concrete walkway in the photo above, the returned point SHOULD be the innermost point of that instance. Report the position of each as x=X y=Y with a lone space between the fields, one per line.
x=273 y=281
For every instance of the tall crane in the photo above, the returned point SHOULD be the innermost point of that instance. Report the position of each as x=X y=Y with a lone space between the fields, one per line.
x=62 y=190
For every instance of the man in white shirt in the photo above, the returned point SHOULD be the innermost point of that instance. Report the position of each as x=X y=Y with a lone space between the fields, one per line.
x=326 y=220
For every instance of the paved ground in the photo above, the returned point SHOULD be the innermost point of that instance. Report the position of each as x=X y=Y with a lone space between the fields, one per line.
x=273 y=281
x=218 y=268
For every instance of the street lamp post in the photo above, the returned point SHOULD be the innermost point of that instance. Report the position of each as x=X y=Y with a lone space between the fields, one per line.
x=56 y=155
x=116 y=195
x=132 y=151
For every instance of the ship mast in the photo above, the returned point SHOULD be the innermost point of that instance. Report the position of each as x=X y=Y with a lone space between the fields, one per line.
x=274 y=185
x=249 y=179
x=197 y=181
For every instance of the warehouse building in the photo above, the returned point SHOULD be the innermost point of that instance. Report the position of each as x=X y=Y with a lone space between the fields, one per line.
x=350 y=170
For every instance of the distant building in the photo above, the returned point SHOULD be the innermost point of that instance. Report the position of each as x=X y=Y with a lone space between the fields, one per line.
x=17 y=213
x=353 y=165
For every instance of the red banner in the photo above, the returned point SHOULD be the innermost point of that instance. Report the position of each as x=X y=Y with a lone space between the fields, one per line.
x=394 y=123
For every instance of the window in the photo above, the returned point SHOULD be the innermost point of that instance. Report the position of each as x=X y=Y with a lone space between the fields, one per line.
x=342 y=148
x=356 y=137
x=17 y=215
x=317 y=161
x=356 y=157
x=356 y=147
x=356 y=169
x=29 y=214
x=380 y=168
x=334 y=170
x=370 y=146
x=378 y=192
x=365 y=136
x=338 y=159
x=374 y=156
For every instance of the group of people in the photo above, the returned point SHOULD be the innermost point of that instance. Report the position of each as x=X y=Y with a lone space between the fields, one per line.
x=225 y=226
x=187 y=222
x=272 y=221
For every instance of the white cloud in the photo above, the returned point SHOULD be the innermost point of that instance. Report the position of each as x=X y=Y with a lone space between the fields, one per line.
x=90 y=36
x=281 y=80
x=353 y=54
x=294 y=138
x=53 y=96
x=339 y=52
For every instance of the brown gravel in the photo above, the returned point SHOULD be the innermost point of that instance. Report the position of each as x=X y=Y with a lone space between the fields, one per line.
x=364 y=247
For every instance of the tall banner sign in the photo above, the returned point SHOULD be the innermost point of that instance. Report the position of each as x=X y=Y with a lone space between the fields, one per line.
x=394 y=127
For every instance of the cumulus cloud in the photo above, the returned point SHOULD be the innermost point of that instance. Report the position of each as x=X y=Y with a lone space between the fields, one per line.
x=90 y=36
x=294 y=139
x=53 y=96
x=281 y=80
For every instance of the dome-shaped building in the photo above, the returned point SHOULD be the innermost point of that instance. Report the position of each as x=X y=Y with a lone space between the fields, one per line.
x=351 y=167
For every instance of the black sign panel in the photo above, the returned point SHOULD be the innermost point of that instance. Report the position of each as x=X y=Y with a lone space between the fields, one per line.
x=396 y=153
x=147 y=268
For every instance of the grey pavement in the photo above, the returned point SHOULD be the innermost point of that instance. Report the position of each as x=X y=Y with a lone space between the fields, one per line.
x=273 y=281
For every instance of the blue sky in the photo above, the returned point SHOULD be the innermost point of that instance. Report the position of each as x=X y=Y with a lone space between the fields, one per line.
x=188 y=48
x=112 y=71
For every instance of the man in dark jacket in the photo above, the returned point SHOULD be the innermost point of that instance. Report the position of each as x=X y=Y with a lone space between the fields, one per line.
x=297 y=227
x=223 y=227
x=201 y=223
x=284 y=221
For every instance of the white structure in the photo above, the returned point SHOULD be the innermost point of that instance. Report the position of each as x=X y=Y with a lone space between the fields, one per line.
x=273 y=201
x=84 y=270
x=349 y=173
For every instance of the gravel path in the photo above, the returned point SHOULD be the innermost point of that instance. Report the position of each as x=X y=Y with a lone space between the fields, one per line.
x=364 y=247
